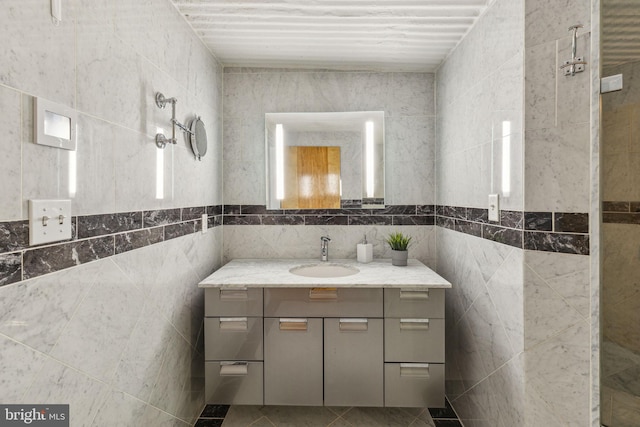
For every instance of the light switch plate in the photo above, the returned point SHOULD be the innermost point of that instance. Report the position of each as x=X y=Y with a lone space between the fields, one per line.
x=49 y=221
x=611 y=83
x=494 y=207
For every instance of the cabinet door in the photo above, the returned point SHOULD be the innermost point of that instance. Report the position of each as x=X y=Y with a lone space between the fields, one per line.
x=353 y=362
x=293 y=361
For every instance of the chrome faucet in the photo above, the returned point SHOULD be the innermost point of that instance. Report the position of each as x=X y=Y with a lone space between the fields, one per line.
x=324 y=248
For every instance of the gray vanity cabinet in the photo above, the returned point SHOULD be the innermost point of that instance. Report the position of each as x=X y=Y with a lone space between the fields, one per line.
x=233 y=329
x=293 y=361
x=353 y=361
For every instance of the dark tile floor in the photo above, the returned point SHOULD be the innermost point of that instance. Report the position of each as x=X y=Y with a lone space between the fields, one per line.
x=298 y=416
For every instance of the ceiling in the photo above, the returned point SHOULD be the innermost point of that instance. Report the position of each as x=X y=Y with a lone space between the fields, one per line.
x=620 y=31
x=386 y=35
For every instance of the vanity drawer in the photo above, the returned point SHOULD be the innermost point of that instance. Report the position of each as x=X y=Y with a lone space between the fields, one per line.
x=234 y=383
x=232 y=302
x=413 y=340
x=414 y=385
x=323 y=302
x=414 y=303
x=233 y=338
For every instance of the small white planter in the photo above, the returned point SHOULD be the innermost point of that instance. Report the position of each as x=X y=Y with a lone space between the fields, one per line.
x=399 y=258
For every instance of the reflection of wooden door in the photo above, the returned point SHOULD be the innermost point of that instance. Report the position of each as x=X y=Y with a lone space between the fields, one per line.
x=312 y=178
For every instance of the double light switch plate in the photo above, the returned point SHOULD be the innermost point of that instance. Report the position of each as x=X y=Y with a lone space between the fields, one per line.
x=49 y=221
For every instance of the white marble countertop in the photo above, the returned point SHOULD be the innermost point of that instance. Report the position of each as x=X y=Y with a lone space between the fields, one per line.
x=270 y=273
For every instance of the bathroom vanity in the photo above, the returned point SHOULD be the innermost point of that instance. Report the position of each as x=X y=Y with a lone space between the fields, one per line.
x=302 y=332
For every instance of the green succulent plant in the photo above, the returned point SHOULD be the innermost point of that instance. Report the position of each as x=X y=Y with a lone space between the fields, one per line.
x=398 y=241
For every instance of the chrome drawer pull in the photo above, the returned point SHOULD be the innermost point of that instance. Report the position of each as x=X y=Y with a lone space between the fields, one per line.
x=323 y=294
x=234 y=324
x=420 y=370
x=414 y=294
x=234 y=294
x=234 y=368
x=414 y=324
x=354 y=325
x=293 y=324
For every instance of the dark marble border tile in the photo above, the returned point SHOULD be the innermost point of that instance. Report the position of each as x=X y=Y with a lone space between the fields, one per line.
x=615 y=206
x=325 y=220
x=232 y=209
x=138 y=239
x=444 y=222
x=507 y=236
x=10 y=268
x=351 y=204
x=39 y=261
x=282 y=220
x=478 y=215
x=571 y=222
x=214 y=221
x=371 y=220
x=468 y=227
x=538 y=221
x=158 y=217
x=446 y=412
x=425 y=209
x=241 y=220
x=413 y=220
x=512 y=219
x=209 y=422
x=173 y=231
x=258 y=210
x=634 y=207
x=397 y=210
x=620 y=218
x=553 y=242
x=215 y=411
x=214 y=210
x=14 y=236
x=100 y=225
x=447 y=423
x=193 y=213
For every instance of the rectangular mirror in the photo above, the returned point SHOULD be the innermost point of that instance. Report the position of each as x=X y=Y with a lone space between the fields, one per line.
x=325 y=160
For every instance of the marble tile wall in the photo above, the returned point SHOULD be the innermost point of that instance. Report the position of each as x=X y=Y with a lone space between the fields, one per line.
x=111 y=323
x=557 y=177
x=408 y=102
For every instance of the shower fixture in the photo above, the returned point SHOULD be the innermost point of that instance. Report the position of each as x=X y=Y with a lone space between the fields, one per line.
x=576 y=63
x=161 y=140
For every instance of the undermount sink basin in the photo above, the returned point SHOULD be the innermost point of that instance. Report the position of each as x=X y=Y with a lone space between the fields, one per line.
x=324 y=270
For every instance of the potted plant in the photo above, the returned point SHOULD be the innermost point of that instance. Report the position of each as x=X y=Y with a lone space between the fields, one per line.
x=399 y=244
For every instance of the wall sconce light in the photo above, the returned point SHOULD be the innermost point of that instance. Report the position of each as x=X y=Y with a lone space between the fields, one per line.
x=279 y=162
x=369 y=157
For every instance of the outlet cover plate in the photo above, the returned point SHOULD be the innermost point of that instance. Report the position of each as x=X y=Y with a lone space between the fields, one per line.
x=494 y=207
x=49 y=221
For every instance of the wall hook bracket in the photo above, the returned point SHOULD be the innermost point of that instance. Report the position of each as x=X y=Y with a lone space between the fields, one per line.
x=576 y=63
x=161 y=140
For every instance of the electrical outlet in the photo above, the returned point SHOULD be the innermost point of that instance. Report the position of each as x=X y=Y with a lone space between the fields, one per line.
x=204 y=223
x=494 y=207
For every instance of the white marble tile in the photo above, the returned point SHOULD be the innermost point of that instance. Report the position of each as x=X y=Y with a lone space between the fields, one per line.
x=18 y=366
x=95 y=177
x=36 y=311
x=558 y=370
x=546 y=312
x=573 y=93
x=537 y=411
x=507 y=290
x=10 y=128
x=567 y=274
x=547 y=20
x=94 y=338
x=557 y=169
x=119 y=409
x=509 y=385
x=141 y=360
x=59 y=384
x=155 y=417
x=617 y=130
x=37 y=52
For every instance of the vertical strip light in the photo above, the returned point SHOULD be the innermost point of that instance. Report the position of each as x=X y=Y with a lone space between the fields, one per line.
x=369 y=157
x=506 y=158
x=73 y=173
x=279 y=162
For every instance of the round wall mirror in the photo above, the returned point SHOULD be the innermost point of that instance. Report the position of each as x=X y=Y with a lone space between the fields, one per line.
x=198 y=138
